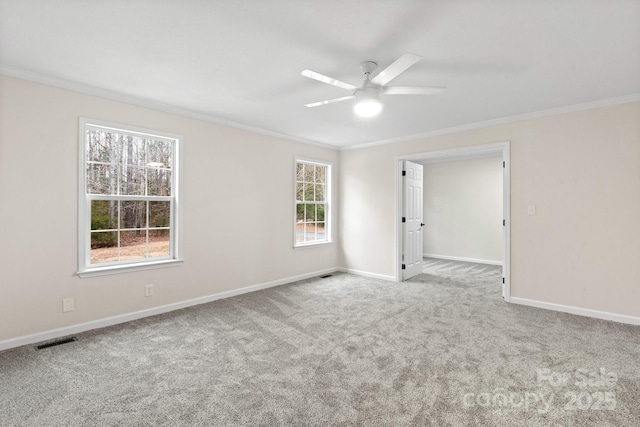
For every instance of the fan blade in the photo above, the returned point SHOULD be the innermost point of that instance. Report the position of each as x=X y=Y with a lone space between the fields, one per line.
x=330 y=101
x=328 y=80
x=395 y=69
x=409 y=90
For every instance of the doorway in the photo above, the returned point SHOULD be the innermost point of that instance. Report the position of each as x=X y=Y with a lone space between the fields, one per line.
x=498 y=149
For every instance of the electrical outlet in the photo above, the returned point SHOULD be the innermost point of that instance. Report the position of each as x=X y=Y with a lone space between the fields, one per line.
x=68 y=304
x=148 y=290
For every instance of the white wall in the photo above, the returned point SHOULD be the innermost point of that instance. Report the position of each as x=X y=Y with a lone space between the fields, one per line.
x=463 y=209
x=238 y=211
x=581 y=169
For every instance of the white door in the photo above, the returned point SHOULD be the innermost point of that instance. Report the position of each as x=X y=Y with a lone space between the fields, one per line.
x=412 y=220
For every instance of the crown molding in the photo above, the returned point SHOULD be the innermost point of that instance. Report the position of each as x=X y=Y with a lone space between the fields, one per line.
x=22 y=74
x=504 y=120
x=141 y=102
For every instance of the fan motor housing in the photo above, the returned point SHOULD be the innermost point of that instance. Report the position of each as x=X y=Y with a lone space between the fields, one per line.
x=367 y=67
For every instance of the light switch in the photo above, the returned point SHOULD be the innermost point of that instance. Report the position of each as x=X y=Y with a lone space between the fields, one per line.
x=531 y=210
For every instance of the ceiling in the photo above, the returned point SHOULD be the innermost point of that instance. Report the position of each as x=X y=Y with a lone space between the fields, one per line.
x=239 y=62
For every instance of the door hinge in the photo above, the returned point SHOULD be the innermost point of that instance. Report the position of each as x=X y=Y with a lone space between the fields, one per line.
x=404 y=267
x=503 y=165
x=404 y=173
x=503 y=280
x=404 y=219
x=504 y=222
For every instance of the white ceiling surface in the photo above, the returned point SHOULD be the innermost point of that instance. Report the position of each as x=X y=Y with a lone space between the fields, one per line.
x=239 y=62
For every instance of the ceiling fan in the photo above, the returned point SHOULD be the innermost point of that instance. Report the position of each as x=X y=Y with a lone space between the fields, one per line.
x=368 y=95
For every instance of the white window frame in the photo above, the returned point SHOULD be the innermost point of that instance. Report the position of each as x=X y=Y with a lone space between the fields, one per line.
x=327 y=203
x=85 y=267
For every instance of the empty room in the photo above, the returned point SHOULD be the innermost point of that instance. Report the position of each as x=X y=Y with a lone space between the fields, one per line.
x=303 y=213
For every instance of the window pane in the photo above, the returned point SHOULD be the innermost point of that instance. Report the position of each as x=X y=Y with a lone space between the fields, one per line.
x=299 y=192
x=159 y=243
x=299 y=172
x=309 y=173
x=133 y=244
x=104 y=239
x=310 y=232
x=133 y=214
x=314 y=231
x=300 y=213
x=319 y=193
x=101 y=146
x=158 y=182
x=159 y=214
x=310 y=213
x=101 y=179
x=321 y=172
x=134 y=151
x=159 y=153
x=320 y=211
x=132 y=181
x=300 y=232
x=104 y=246
x=309 y=193
x=104 y=214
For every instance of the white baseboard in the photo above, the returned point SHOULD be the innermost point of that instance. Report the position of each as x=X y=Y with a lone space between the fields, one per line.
x=458 y=258
x=367 y=274
x=620 y=318
x=110 y=321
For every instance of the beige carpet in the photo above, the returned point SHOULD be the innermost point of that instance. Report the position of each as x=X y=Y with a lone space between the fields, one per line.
x=442 y=349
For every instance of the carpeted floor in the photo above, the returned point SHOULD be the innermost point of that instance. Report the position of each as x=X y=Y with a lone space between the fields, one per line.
x=442 y=349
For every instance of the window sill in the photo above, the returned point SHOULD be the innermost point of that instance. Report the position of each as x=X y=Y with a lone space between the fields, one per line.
x=117 y=269
x=312 y=244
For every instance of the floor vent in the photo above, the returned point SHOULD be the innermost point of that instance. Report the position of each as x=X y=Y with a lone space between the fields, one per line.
x=325 y=276
x=55 y=343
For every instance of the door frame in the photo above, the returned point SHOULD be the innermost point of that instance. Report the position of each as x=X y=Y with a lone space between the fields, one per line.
x=462 y=153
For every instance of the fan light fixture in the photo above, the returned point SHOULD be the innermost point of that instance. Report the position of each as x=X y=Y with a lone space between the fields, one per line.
x=368 y=102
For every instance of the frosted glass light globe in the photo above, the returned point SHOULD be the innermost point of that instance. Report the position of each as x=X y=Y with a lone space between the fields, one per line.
x=368 y=102
x=368 y=108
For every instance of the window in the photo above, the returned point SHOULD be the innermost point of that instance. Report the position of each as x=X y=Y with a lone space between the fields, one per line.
x=313 y=193
x=128 y=201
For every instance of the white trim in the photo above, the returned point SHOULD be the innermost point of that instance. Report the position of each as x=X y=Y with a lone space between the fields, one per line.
x=458 y=258
x=141 y=102
x=115 y=96
x=328 y=222
x=621 y=318
x=128 y=268
x=503 y=120
x=306 y=245
x=122 y=318
x=500 y=148
x=398 y=218
x=459 y=153
x=85 y=268
x=367 y=274
x=506 y=215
